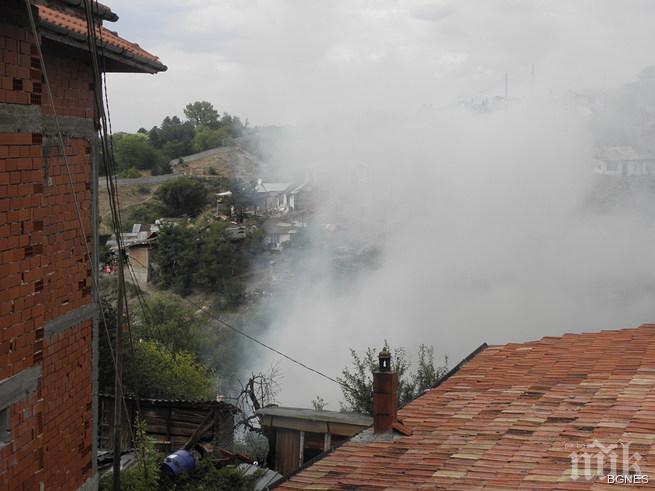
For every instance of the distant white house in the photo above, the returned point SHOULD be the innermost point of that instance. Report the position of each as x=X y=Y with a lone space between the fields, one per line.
x=278 y=197
x=624 y=161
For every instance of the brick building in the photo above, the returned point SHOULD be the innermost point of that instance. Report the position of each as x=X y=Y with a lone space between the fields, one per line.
x=48 y=315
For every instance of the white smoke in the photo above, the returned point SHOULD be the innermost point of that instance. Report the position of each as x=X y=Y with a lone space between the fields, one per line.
x=485 y=221
x=485 y=231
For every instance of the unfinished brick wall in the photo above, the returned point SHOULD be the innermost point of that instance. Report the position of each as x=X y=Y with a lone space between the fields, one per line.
x=20 y=72
x=66 y=390
x=45 y=271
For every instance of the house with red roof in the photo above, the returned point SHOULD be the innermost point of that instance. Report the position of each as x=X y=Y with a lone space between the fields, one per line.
x=49 y=158
x=575 y=412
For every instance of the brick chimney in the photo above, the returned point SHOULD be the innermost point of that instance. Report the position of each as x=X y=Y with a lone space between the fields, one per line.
x=385 y=385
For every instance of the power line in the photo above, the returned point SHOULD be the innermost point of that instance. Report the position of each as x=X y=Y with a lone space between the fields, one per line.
x=115 y=210
x=261 y=343
x=46 y=79
x=268 y=347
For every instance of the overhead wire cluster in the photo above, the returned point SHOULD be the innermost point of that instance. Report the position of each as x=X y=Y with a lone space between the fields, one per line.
x=101 y=101
x=107 y=155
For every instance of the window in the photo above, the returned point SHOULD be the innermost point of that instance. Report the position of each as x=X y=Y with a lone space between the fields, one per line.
x=312 y=445
x=4 y=426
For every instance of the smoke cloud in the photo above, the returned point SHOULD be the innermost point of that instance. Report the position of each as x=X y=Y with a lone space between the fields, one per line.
x=486 y=230
x=455 y=222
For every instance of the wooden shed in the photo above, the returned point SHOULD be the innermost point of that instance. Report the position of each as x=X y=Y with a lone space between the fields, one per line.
x=297 y=435
x=169 y=422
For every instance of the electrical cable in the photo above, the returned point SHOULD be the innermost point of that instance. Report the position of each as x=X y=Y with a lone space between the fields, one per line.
x=261 y=343
x=46 y=80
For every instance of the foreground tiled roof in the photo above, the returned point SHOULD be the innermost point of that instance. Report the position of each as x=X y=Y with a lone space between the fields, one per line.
x=511 y=418
x=70 y=23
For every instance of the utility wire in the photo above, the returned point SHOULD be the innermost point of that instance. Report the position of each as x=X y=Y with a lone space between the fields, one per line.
x=261 y=343
x=111 y=187
x=268 y=347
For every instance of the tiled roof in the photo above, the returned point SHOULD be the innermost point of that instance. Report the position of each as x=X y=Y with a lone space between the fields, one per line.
x=510 y=419
x=65 y=22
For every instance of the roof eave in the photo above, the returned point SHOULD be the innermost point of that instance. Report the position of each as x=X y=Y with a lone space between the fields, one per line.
x=131 y=61
x=99 y=10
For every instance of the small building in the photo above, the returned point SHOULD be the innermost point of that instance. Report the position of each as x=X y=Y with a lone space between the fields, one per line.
x=624 y=161
x=138 y=245
x=170 y=423
x=279 y=197
x=273 y=197
x=297 y=435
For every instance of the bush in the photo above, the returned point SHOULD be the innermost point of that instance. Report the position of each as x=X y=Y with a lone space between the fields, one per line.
x=144 y=475
x=161 y=169
x=183 y=196
x=208 y=477
x=170 y=321
x=156 y=371
x=130 y=173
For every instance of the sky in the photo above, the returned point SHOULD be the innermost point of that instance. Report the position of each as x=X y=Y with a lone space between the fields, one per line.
x=285 y=62
x=482 y=221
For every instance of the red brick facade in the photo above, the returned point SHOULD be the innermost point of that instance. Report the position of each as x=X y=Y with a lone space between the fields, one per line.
x=48 y=328
x=45 y=271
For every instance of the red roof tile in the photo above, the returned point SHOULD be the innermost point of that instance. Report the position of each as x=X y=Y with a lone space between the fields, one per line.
x=67 y=21
x=510 y=418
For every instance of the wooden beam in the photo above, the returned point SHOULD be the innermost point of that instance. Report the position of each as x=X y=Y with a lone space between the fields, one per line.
x=302 y=448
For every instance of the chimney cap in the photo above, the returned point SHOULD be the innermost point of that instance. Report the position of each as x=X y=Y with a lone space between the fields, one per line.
x=384 y=358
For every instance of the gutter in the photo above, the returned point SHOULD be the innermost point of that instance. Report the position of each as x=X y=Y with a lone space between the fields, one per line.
x=56 y=32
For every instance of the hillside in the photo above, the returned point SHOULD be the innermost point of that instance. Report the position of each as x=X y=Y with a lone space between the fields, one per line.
x=232 y=162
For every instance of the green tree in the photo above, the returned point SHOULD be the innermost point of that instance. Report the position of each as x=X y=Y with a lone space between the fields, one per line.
x=153 y=364
x=318 y=404
x=134 y=151
x=173 y=137
x=183 y=196
x=153 y=370
x=202 y=113
x=171 y=322
x=175 y=258
x=357 y=381
x=211 y=259
x=206 y=138
x=221 y=257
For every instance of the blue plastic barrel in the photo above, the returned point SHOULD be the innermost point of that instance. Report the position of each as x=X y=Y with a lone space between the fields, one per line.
x=179 y=462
